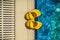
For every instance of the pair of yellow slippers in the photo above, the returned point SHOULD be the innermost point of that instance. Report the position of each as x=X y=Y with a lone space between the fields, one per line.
x=30 y=16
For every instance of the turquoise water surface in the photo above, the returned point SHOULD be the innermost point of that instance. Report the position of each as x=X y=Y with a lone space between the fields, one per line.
x=50 y=18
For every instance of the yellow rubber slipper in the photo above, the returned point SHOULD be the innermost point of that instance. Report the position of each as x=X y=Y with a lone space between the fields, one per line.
x=32 y=14
x=33 y=24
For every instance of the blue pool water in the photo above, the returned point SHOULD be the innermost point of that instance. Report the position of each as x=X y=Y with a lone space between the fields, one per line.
x=50 y=18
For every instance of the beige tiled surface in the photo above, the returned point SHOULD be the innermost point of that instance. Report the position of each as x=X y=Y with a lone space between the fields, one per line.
x=22 y=33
